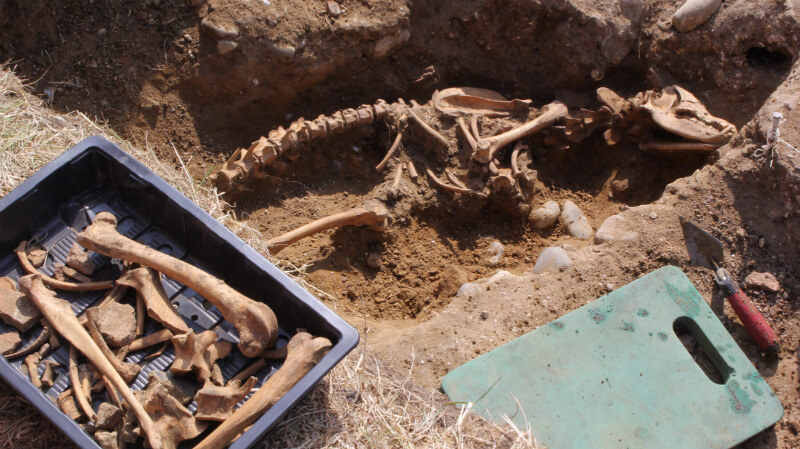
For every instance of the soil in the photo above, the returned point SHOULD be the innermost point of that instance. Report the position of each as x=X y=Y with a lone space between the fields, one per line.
x=155 y=73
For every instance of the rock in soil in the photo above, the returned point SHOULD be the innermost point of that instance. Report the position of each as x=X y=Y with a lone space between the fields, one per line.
x=575 y=222
x=546 y=215
x=452 y=280
x=17 y=310
x=9 y=342
x=225 y=47
x=552 y=258
x=615 y=229
x=106 y=440
x=117 y=323
x=763 y=281
x=374 y=261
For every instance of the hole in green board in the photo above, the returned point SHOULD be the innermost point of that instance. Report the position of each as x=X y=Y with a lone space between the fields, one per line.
x=701 y=350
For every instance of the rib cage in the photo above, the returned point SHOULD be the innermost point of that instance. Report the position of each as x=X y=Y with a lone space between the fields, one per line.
x=246 y=165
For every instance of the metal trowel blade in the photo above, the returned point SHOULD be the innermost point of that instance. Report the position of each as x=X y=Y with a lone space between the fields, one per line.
x=704 y=249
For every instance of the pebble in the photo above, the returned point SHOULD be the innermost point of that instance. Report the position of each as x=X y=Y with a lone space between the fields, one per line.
x=219 y=30
x=552 y=258
x=575 y=222
x=763 y=281
x=374 y=261
x=653 y=216
x=225 y=47
x=468 y=289
x=497 y=249
x=334 y=9
x=546 y=215
x=484 y=315
x=762 y=242
x=615 y=229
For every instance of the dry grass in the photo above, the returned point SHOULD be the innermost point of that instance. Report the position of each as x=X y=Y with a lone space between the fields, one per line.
x=358 y=405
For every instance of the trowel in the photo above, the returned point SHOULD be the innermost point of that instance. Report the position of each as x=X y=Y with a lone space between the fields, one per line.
x=705 y=249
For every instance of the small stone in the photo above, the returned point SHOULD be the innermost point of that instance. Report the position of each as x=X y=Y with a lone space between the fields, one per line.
x=653 y=215
x=468 y=289
x=545 y=216
x=552 y=258
x=615 y=229
x=334 y=9
x=484 y=315
x=218 y=30
x=762 y=242
x=284 y=51
x=17 y=310
x=108 y=415
x=374 y=261
x=453 y=278
x=150 y=106
x=9 y=342
x=497 y=250
x=225 y=47
x=763 y=281
x=117 y=323
x=575 y=222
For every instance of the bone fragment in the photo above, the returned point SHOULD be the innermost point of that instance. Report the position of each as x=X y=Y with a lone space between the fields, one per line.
x=128 y=371
x=304 y=352
x=515 y=161
x=37 y=256
x=439 y=138
x=80 y=259
x=147 y=283
x=467 y=134
x=198 y=353
x=173 y=422
x=473 y=127
x=157 y=352
x=115 y=294
x=61 y=285
x=153 y=339
x=452 y=178
x=116 y=323
x=40 y=340
x=255 y=321
x=438 y=182
x=694 y=13
x=68 y=405
x=394 y=191
x=461 y=101
x=9 y=342
x=59 y=314
x=32 y=363
x=216 y=403
x=372 y=213
x=8 y=283
x=251 y=370
x=49 y=372
x=17 y=310
x=503 y=181
x=412 y=171
x=489 y=146
x=106 y=439
x=78 y=388
x=390 y=153
x=678 y=146
x=52 y=338
x=108 y=416
x=73 y=274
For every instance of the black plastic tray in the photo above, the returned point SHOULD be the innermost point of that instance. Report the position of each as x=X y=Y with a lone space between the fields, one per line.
x=94 y=176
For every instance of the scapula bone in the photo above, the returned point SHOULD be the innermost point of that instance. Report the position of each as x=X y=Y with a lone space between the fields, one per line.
x=255 y=321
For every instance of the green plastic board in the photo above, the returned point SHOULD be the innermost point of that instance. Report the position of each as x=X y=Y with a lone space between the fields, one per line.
x=614 y=375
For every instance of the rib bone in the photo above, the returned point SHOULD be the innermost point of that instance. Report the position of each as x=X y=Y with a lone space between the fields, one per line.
x=303 y=354
x=61 y=285
x=372 y=214
x=147 y=284
x=255 y=321
x=78 y=388
x=59 y=314
x=487 y=147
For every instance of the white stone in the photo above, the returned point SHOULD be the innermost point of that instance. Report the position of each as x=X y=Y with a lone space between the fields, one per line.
x=615 y=229
x=468 y=289
x=576 y=224
x=225 y=47
x=552 y=258
x=546 y=215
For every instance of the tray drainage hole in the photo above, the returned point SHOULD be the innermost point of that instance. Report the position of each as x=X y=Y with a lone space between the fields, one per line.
x=194 y=317
x=701 y=350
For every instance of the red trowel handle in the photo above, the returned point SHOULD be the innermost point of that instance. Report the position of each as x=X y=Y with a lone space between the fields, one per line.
x=756 y=325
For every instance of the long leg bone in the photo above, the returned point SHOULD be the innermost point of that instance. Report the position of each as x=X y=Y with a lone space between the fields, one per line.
x=77 y=385
x=304 y=352
x=255 y=321
x=372 y=214
x=487 y=147
x=61 y=285
x=147 y=284
x=59 y=314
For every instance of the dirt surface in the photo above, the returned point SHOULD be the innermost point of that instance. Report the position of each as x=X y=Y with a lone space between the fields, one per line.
x=157 y=72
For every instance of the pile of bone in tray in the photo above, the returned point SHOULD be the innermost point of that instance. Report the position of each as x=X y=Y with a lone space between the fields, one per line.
x=111 y=330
